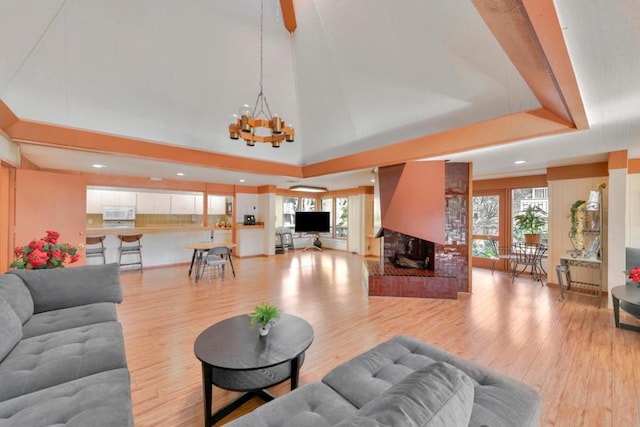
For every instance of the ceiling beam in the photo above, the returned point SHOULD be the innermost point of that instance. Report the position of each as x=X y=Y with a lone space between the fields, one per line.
x=37 y=133
x=288 y=15
x=529 y=33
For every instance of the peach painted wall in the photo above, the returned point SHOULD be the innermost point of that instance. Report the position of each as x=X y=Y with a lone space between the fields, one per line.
x=411 y=192
x=50 y=201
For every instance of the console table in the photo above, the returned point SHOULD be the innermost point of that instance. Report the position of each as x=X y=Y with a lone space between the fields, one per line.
x=627 y=297
x=568 y=284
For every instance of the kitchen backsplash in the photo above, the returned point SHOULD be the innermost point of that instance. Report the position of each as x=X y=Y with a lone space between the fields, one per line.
x=151 y=220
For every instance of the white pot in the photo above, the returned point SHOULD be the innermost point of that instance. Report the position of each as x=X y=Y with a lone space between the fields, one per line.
x=264 y=330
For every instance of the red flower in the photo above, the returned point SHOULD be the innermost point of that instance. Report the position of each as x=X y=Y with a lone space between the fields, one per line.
x=634 y=274
x=52 y=237
x=37 y=258
x=44 y=253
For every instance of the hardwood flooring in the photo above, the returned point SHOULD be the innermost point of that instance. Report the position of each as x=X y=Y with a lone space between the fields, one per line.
x=587 y=371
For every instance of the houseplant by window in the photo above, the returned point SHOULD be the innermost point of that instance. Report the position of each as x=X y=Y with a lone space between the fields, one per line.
x=264 y=315
x=531 y=222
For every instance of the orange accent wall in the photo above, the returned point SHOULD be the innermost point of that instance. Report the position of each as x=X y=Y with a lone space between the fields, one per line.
x=578 y=171
x=411 y=192
x=513 y=182
x=618 y=159
x=50 y=201
x=7 y=203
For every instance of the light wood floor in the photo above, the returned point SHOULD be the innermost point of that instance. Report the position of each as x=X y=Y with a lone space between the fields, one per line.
x=587 y=371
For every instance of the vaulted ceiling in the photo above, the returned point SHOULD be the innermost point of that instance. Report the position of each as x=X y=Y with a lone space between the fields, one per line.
x=148 y=87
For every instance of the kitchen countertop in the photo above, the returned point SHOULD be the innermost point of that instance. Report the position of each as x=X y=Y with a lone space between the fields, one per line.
x=151 y=229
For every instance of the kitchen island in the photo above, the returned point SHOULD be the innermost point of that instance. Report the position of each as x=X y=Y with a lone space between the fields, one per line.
x=161 y=245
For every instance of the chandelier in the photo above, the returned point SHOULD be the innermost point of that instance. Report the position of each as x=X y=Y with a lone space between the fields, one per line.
x=248 y=121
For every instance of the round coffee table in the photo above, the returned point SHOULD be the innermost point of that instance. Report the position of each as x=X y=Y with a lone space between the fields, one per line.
x=235 y=357
x=628 y=298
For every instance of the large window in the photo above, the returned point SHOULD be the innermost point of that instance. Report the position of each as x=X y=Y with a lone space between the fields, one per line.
x=485 y=225
x=521 y=199
x=336 y=206
x=326 y=205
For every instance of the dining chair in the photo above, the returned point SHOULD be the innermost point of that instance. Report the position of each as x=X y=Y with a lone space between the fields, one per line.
x=528 y=256
x=218 y=258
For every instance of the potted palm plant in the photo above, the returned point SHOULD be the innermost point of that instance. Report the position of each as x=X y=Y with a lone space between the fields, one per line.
x=264 y=315
x=531 y=222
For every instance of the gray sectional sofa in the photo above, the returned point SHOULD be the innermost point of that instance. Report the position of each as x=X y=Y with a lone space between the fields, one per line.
x=62 y=357
x=403 y=382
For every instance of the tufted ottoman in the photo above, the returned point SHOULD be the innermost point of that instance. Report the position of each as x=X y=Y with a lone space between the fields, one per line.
x=403 y=382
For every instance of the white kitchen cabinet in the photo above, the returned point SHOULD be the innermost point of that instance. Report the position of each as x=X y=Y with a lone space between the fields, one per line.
x=97 y=199
x=199 y=204
x=183 y=204
x=217 y=205
x=94 y=202
x=153 y=203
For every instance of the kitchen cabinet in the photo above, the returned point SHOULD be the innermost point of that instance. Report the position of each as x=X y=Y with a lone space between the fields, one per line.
x=153 y=203
x=217 y=205
x=96 y=199
x=183 y=204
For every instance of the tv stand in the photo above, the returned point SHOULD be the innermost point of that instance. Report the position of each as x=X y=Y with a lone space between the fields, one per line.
x=317 y=244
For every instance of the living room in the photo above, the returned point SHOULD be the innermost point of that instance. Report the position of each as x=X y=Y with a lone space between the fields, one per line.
x=581 y=136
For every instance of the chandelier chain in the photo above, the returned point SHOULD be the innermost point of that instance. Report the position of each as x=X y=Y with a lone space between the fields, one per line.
x=261 y=100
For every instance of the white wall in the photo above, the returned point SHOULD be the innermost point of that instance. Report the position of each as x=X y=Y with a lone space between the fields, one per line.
x=9 y=151
x=356 y=233
x=267 y=205
x=247 y=204
x=632 y=211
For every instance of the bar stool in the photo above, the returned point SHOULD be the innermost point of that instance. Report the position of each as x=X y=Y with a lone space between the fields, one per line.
x=130 y=245
x=95 y=247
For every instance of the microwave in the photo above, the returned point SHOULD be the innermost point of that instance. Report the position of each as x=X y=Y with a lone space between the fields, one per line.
x=249 y=220
x=118 y=213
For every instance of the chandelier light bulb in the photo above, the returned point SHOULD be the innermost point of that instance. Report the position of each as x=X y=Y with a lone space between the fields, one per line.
x=245 y=110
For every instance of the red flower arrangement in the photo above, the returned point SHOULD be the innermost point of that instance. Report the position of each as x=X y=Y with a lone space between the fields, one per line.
x=44 y=253
x=634 y=274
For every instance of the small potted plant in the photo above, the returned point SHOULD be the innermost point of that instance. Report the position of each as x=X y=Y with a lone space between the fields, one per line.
x=531 y=221
x=264 y=315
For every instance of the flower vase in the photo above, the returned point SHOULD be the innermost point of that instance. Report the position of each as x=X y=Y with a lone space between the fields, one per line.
x=264 y=330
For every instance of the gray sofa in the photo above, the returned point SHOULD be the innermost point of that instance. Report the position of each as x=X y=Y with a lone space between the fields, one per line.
x=62 y=357
x=403 y=382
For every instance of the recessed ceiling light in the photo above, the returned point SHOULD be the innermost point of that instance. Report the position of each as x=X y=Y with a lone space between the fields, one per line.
x=519 y=162
x=180 y=174
x=308 y=188
x=98 y=166
x=242 y=180
x=373 y=180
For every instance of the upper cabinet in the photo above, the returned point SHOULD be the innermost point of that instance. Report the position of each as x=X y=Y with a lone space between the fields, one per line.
x=183 y=204
x=153 y=203
x=96 y=199
x=217 y=205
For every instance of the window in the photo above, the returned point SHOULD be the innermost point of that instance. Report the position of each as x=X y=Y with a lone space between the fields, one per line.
x=290 y=207
x=326 y=205
x=521 y=199
x=308 y=205
x=341 y=216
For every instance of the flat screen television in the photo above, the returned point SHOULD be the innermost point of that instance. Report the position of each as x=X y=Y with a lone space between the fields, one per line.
x=312 y=222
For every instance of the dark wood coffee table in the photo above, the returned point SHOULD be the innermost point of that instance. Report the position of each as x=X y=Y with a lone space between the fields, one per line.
x=235 y=357
x=627 y=297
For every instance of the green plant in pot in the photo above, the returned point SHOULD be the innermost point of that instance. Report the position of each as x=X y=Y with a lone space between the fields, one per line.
x=264 y=315
x=531 y=222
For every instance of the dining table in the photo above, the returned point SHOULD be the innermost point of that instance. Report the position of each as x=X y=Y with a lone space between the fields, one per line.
x=200 y=250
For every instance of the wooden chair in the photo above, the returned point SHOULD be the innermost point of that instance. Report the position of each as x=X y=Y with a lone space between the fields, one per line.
x=95 y=247
x=130 y=245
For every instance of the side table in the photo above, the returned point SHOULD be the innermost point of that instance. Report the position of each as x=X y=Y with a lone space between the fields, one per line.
x=627 y=297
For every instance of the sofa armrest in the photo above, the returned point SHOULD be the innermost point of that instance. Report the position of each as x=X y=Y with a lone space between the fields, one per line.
x=54 y=289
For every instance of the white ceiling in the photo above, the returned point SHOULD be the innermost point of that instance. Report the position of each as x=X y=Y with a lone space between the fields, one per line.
x=354 y=76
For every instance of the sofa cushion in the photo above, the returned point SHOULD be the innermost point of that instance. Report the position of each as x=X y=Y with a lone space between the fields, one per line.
x=312 y=405
x=439 y=395
x=68 y=318
x=102 y=400
x=498 y=399
x=51 y=359
x=58 y=288
x=15 y=292
x=10 y=328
